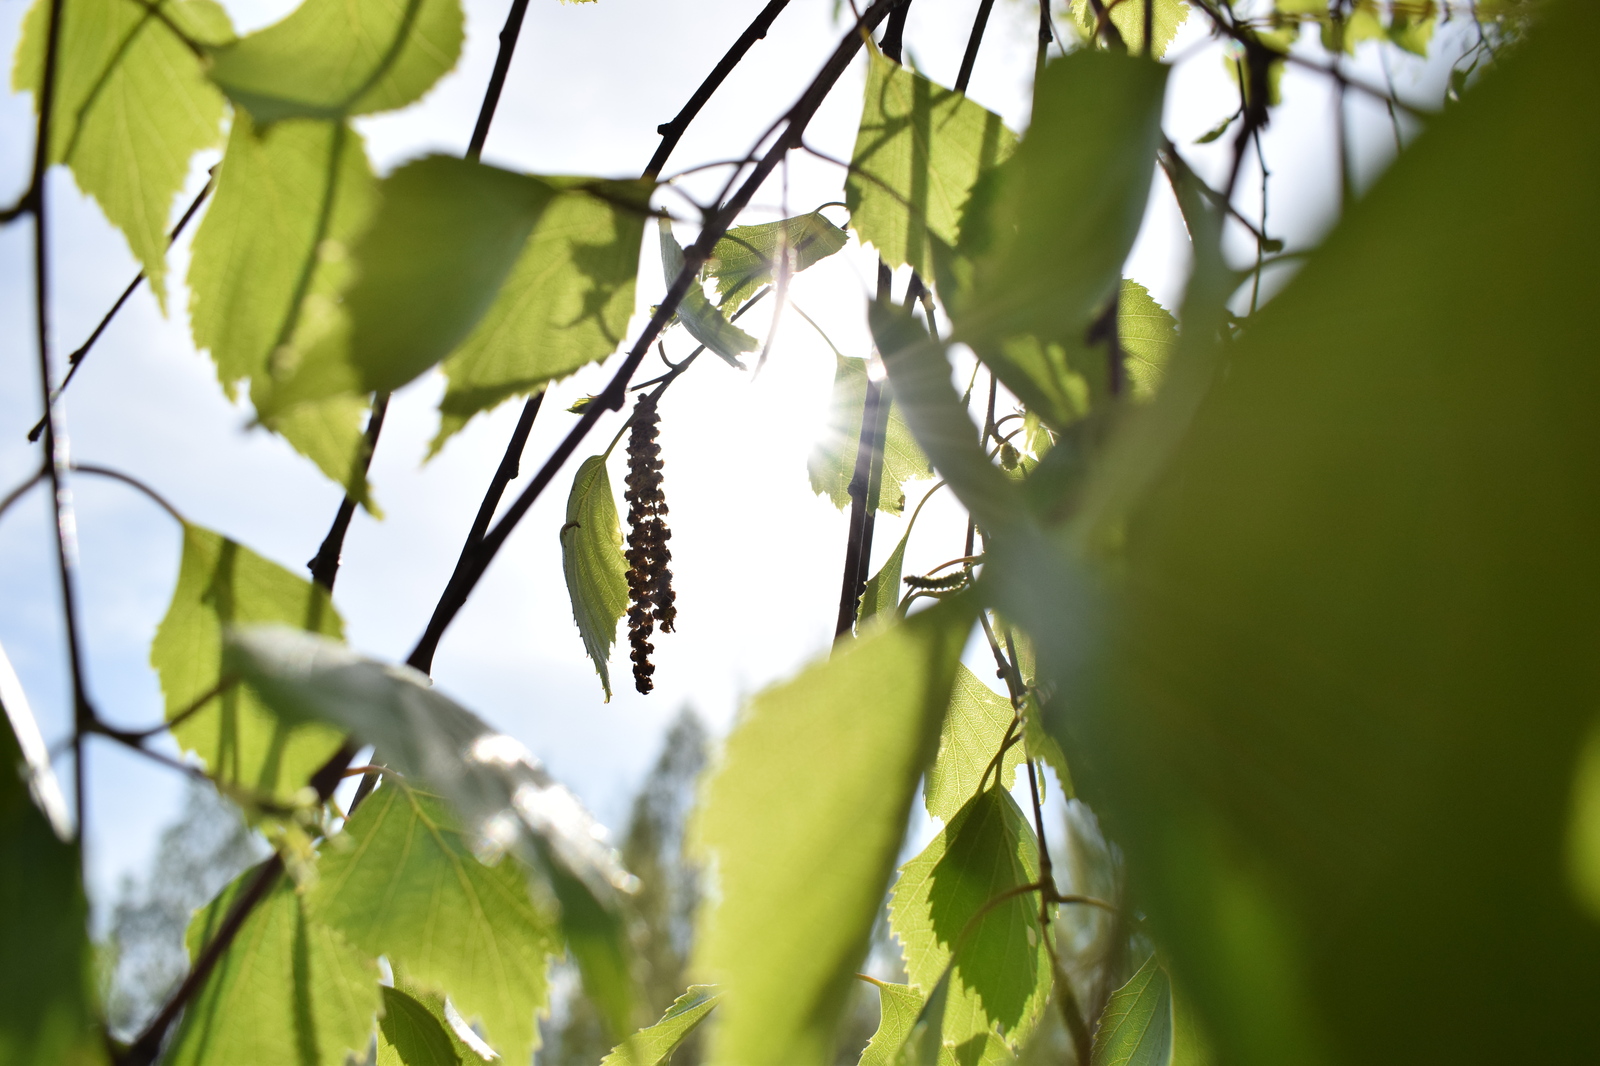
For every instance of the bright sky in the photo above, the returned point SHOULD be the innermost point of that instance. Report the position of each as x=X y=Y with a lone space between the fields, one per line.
x=756 y=555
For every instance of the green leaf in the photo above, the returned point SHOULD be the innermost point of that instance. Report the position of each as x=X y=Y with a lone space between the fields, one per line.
x=919 y=372
x=406 y=885
x=882 y=594
x=1148 y=333
x=974 y=726
x=704 y=322
x=222 y=584
x=288 y=989
x=1054 y=225
x=499 y=791
x=654 y=1046
x=747 y=256
x=333 y=434
x=1136 y=1027
x=46 y=980
x=566 y=302
x=1365 y=580
x=832 y=462
x=337 y=58
x=270 y=264
x=446 y=234
x=1413 y=31
x=1128 y=17
x=132 y=107
x=409 y=1034
x=898 y=1007
x=591 y=558
x=1218 y=130
x=1001 y=972
x=803 y=820
x=919 y=151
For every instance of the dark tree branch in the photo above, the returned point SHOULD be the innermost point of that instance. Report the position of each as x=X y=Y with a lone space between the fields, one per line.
x=615 y=393
x=974 y=40
x=324 y=566
x=497 y=79
x=672 y=131
x=76 y=358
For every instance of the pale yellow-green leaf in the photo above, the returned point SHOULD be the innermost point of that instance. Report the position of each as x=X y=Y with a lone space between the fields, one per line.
x=974 y=727
x=832 y=462
x=802 y=821
x=222 y=584
x=747 y=257
x=1128 y=17
x=337 y=58
x=1148 y=333
x=404 y=884
x=919 y=151
x=132 y=106
x=653 y=1046
x=592 y=560
x=288 y=990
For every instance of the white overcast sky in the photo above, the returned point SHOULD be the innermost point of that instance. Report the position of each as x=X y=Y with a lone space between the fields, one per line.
x=756 y=555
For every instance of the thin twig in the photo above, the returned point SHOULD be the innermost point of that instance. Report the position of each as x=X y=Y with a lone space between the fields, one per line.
x=672 y=131
x=969 y=58
x=509 y=33
x=324 y=566
x=75 y=360
x=21 y=490
x=132 y=482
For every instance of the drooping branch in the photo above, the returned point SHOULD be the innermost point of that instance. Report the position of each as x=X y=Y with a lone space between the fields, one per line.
x=793 y=123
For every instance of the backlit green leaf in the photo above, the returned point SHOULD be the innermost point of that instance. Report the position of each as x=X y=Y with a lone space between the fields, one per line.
x=288 y=989
x=747 y=257
x=803 y=820
x=1136 y=1028
x=699 y=316
x=501 y=794
x=833 y=461
x=46 y=979
x=882 y=594
x=654 y=1046
x=222 y=584
x=1128 y=17
x=1001 y=975
x=918 y=153
x=1058 y=220
x=1148 y=333
x=271 y=261
x=333 y=434
x=898 y=1006
x=409 y=1034
x=591 y=558
x=335 y=58
x=974 y=726
x=132 y=106
x=565 y=303
x=405 y=885
x=1365 y=580
x=446 y=234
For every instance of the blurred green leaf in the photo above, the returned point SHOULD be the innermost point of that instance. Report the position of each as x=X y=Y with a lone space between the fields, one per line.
x=1136 y=1027
x=919 y=151
x=974 y=726
x=132 y=107
x=565 y=303
x=591 y=558
x=501 y=794
x=832 y=463
x=803 y=820
x=654 y=1045
x=1413 y=30
x=405 y=885
x=270 y=264
x=1051 y=228
x=699 y=316
x=1349 y=670
x=1001 y=969
x=222 y=584
x=46 y=1000
x=1128 y=17
x=746 y=258
x=409 y=1034
x=288 y=989
x=336 y=58
x=1218 y=130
